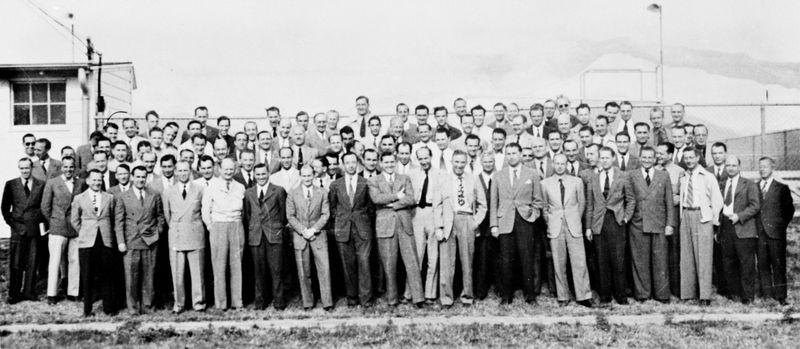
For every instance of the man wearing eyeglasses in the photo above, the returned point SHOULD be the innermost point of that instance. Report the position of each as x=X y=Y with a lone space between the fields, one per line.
x=29 y=144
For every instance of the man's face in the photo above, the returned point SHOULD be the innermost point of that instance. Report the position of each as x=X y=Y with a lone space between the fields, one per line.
x=156 y=138
x=262 y=175
x=248 y=160
x=642 y=135
x=585 y=137
x=95 y=181
x=689 y=131
x=424 y=159
x=152 y=121
x=549 y=110
x=467 y=124
x=286 y=159
x=350 y=165
x=168 y=169
x=333 y=121
x=459 y=163
x=307 y=176
x=422 y=116
x=718 y=155
x=139 y=179
x=182 y=172
x=302 y=120
x=647 y=159
x=336 y=144
x=657 y=119
x=678 y=137
x=274 y=118
x=387 y=164
x=397 y=128
x=559 y=165
x=265 y=141
x=25 y=169
x=571 y=151
x=441 y=117
x=677 y=113
x=527 y=155
x=498 y=141
x=424 y=134
x=564 y=124
x=700 y=135
x=68 y=168
x=499 y=113
x=228 y=168
x=765 y=168
x=149 y=160
x=555 y=141
x=240 y=142
x=285 y=129
x=187 y=156
x=606 y=159
x=404 y=154
x=623 y=143
x=193 y=129
x=512 y=156
x=170 y=133
x=584 y=116
x=123 y=176
x=626 y=111
x=298 y=136
x=104 y=146
x=362 y=107
x=130 y=128
x=538 y=148
x=320 y=121
x=473 y=146
x=612 y=113
x=333 y=165
x=690 y=158
x=442 y=141
x=375 y=127
x=460 y=107
x=111 y=133
x=201 y=116
x=601 y=127
x=199 y=145
x=224 y=127
x=251 y=130
x=479 y=116
x=318 y=168
x=518 y=126
x=487 y=162
x=563 y=105
x=348 y=138
x=662 y=155
x=537 y=117
x=591 y=156
x=101 y=163
x=402 y=112
x=39 y=150
x=387 y=145
x=206 y=169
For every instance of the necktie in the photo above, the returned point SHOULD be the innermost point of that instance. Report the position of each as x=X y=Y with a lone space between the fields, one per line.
x=625 y=127
x=461 y=200
x=184 y=192
x=103 y=184
x=249 y=179
x=423 y=196
x=299 y=157
x=274 y=132
x=308 y=193
x=442 y=164
x=719 y=173
x=537 y=132
x=141 y=197
x=228 y=185
x=647 y=177
x=27 y=190
x=763 y=187
x=622 y=163
x=514 y=178
x=606 y=184
x=571 y=167
x=472 y=164
x=728 y=193
x=351 y=191
x=541 y=168
x=561 y=188
x=94 y=203
x=44 y=168
x=363 y=130
x=690 y=192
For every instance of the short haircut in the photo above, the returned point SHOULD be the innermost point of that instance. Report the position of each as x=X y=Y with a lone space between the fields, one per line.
x=143 y=144
x=501 y=105
x=139 y=168
x=472 y=137
x=108 y=126
x=440 y=108
x=151 y=113
x=205 y=158
x=260 y=165
x=625 y=103
x=675 y=128
x=601 y=117
x=584 y=106
x=96 y=135
x=622 y=134
x=403 y=144
x=172 y=124
x=691 y=149
x=549 y=135
x=401 y=104
x=441 y=130
x=607 y=149
x=347 y=130
x=199 y=136
x=125 y=167
x=703 y=126
x=247 y=151
x=720 y=145
x=421 y=107
x=168 y=158
x=223 y=118
x=499 y=131
x=569 y=141
x=323 y=159
x=641 y=124
x=117 y=143
x=611 y=104
x=155 y=129
x=647 y=148
x=386 y=154
x=46 y=143
x=349 y=153
x=459 y=152
x=670 y=147
x=514 y=145
x=200 y=108
x=374 y=117
x=94 y=155
x=537 y=106
x=763 y=158
x=425 y=125
x=477 y=107
x=425 y=148
x=94 y=170
x=128 y=120
x=387 y=137
x=186 y=151
x=65 y=148
x=364 y=98
x=275 y=109
x=291 y=151
x=67 y=158
x=192 y=122
x=30 y=162
x=587 y=128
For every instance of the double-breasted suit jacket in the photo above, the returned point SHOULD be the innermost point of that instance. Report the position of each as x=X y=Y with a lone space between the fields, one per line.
x=346 y=214
x=654 y=207
x=184 y=217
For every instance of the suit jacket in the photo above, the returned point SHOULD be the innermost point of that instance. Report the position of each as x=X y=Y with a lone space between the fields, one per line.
x=112 y=177
x=184 y=217
x=274 y=164
x=722 y=179
x=411 y=135
x=777 y=210
x=211 y=134
x=57 y=205
x=452 y=132
x=633 y=162
x=303 y=213
x=314 y=140
x=22 y=212
x=346 y=214
x=267 y=218
x=157 y=184
x=53 y=170
x=139 y=225
x=525 y=197
x=621 y=199
x=83 y=156
x=746 y=205
x=548 y=169
x=383 y=194
x=654 y=206
x=309 y=154
x=570 y=212
x=88 y=223
x=239 y=177
x=444 y=202
x=487 y=192
x=435 y=179
x=546 y=129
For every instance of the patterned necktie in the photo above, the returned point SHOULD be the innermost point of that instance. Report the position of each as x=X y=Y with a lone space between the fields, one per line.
x=690 y=191
x=141 y=197
x=44 y=168
x=647 y=177
x=94 y=203
x=763 y=187
x=461 y=199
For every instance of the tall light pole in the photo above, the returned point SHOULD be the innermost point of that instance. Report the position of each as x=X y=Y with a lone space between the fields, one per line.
x=657 y=8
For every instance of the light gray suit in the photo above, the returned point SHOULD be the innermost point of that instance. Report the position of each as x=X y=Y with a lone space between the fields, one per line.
x=422 y=223
x=187 y=241
x=53 y=170
x=310 y=213
x=89 y=223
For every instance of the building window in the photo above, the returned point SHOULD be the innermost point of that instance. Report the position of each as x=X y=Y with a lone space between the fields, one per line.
x=40 y=103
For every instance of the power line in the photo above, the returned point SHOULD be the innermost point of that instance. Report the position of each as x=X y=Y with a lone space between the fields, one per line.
x=55 y=20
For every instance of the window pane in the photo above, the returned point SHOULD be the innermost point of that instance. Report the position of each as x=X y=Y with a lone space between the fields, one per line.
x=22 y=115
x=39 y=115
x=57 y=92
x=39 y=93
x=58 y=114
x=21 y=93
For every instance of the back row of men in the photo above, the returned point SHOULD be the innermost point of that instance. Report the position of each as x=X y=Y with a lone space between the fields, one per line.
x=641 y=218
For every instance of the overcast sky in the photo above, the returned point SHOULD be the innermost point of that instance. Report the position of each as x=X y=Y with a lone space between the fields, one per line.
x=240 y=56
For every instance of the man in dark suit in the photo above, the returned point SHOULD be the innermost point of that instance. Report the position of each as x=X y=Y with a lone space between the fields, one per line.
x=92 y=215
x=574 y=163
x=393 y=195
x=20 y=207
x=485 y=261
x=515 y=203
x=352 y=210
x=610 y=203
x=100 y=163
x=201 y=115
x=777 y=210
x=139 y=223
x=719 y=152
x=738 y=234
x=652 y=221
x=265 y=214
x=624 y=159
x=83 y=154
x=244 y=174
x=538 y=127
x=56 y=208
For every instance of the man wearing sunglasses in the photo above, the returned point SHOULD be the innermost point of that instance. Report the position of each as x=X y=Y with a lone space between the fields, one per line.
x=29 y=144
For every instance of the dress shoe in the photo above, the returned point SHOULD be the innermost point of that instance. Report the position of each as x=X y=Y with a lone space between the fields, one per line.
x=177 y=310
x=532 y=301
x=586 y=303
x=419 y=305
x=307 y=308
x=623 y=301
x=328 y=308
x=705 y=302
x=73 y=298
x=405 y=300
x=52 y=300
x=663 y=301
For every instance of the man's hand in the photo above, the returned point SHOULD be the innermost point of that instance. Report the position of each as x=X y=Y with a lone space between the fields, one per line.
x=439 y=234
x=668 y=231
x=495 y=232
x=401 y=194
x=734 y=218
x=122 y=248
x=589 y=234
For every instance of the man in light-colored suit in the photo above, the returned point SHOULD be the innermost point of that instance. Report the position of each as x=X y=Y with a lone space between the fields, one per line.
x=393 y=195
x=139 y=223
x=316 y=136
x=701 y=203
x=564 y=202
x=187 y=238
x=303 y=154
x=515 y=203
x=307 y=211
x=56 y=208
x=425 y=181
x=266 y=153
x=652 y=221
x=459 y=207
x=610 y=203
x=92 y=216
x=46 y=167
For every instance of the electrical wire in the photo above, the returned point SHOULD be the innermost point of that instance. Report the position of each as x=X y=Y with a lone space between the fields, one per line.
x=55 y=20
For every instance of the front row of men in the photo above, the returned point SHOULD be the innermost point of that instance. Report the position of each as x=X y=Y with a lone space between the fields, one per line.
x=590 y=220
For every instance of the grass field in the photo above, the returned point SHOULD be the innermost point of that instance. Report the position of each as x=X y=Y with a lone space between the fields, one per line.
x=674 y=335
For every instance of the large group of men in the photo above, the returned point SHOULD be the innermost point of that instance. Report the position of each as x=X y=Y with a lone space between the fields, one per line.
x=418 y=211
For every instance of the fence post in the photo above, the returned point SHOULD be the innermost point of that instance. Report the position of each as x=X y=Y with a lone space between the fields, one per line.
x=763 y=129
